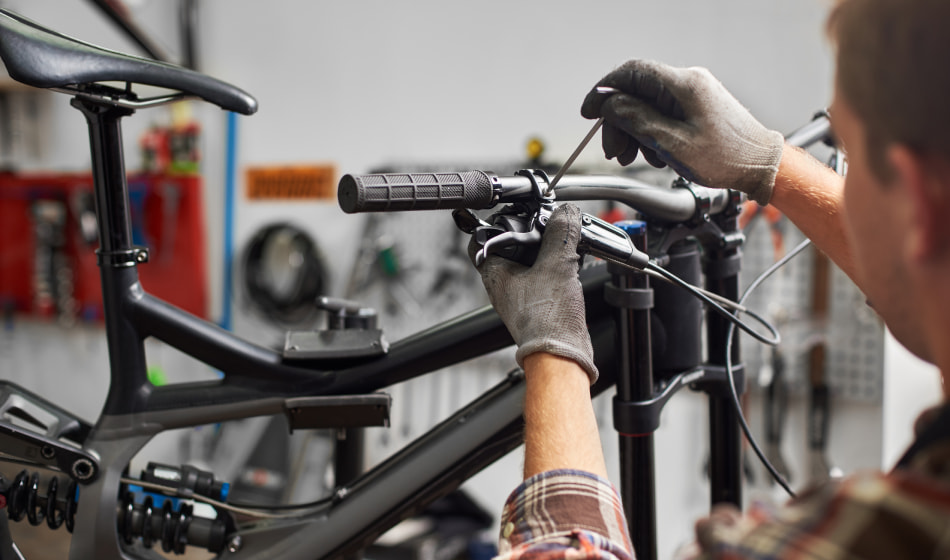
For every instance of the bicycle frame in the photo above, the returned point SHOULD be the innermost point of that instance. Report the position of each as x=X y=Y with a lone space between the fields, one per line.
x=257 y=381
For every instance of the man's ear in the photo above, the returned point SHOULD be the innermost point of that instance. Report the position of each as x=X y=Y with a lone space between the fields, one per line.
x=925 y=184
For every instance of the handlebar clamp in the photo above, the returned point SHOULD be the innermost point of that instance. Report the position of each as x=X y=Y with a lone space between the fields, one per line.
x=703 y=202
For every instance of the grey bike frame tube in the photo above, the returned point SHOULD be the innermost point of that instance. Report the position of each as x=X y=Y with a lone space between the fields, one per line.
x=430 y=467
x=252 y=371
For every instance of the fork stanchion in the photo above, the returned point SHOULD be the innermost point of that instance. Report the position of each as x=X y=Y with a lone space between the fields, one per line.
x=721 y=265
x=630 y=293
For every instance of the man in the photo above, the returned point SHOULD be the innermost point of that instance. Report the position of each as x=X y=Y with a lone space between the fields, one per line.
x=887 y=225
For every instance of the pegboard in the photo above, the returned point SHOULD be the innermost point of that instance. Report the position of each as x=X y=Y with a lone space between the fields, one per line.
x=414 y=270
x=853 y=333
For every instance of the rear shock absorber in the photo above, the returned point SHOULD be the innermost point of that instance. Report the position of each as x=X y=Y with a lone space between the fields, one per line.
x=153 y=519
x=166 y=520
x=173 y=528
x=23 y=499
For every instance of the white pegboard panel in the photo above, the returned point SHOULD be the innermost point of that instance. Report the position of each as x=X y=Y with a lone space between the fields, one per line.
x=405 y=255
x=426 y=246
x=853 y=334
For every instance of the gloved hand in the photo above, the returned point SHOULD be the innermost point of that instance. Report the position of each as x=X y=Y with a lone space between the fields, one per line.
x=543 y=305
x=685 y=118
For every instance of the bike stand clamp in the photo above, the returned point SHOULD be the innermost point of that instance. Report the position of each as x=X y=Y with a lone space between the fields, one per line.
x=345 y=411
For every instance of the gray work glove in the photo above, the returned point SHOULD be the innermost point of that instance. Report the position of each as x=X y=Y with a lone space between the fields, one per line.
x=685 y=118
x=543 y=305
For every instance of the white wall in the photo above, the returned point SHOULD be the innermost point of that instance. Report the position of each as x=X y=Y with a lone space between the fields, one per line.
x=911 y=386
x=360 y=83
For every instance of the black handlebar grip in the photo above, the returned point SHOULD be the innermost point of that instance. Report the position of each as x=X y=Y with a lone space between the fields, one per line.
x=386 y=192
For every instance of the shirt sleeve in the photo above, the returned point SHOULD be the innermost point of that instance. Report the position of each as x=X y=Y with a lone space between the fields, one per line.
x=868 y=515
x=564 y=514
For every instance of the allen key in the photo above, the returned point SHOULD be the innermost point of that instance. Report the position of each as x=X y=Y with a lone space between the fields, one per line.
x=580 y=147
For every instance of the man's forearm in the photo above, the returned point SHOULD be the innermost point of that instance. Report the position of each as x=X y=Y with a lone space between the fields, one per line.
x=560 y=428
x=811 y=195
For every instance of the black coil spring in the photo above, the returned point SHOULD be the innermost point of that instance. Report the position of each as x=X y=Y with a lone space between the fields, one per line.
x=164 y=524
x=24 y=500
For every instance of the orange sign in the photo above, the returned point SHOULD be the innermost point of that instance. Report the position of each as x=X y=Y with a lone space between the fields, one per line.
x=291 y=182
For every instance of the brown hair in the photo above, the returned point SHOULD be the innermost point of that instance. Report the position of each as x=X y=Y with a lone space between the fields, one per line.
x=893 y=71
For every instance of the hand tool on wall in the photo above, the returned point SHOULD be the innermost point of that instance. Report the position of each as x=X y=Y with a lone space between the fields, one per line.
x=53 y=278
x=83 y=207
x=398 y=296
x=378 y=261
x=454 y=268
x=776 y=407
x=819 y=410
x=284 y=274
x=772 y=377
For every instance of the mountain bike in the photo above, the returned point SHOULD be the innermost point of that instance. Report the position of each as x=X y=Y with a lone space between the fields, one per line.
x=647 y=332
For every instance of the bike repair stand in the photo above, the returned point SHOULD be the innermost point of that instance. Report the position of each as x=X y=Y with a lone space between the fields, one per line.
x=638 y=403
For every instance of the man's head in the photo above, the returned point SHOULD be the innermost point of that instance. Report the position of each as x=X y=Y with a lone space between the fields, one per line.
x=892 y=113
x=892 y=70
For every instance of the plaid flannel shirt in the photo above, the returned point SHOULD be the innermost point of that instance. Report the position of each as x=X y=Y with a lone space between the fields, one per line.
x=566 y=514
x=867 y=516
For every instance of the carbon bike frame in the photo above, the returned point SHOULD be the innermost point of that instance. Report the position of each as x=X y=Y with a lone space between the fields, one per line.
x=258 y=381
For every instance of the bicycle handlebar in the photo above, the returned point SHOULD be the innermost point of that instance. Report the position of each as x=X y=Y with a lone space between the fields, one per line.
x=476 y=190
x=385 y=192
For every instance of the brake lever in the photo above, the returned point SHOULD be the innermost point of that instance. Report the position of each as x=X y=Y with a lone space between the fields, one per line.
x=512 y=233
x=499 y=243
x=467 y=221
x=598 y=238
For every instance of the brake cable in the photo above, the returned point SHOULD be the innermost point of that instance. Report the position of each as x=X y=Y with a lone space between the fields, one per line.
x=730 y=374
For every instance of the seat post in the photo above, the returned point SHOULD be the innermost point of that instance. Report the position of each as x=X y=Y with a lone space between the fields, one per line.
x=117 y=257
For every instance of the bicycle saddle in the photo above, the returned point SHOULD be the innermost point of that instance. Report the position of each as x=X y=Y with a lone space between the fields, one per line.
x=43 y=58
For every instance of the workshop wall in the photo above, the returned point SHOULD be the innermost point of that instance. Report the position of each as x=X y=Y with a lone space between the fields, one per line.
x=360 y=85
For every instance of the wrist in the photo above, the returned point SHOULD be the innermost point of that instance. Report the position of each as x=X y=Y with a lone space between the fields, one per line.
x=578 y=354
x=769 y=164
x=539 y=365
